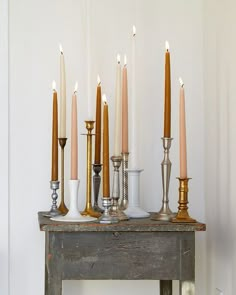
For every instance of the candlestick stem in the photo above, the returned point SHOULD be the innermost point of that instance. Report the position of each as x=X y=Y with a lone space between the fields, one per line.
x=182 y=215
x=165 y=214
x=115 y=211
x=88 y=208
x=96 y=186
x=54 y=185
x=124 y=199
x=62 y=207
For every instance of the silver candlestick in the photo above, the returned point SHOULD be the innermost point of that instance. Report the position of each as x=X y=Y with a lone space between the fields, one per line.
x=54 y=185
x=96 y=186
x=165 y=214
x=124 y=199
x=115 y=211
x=106 y=216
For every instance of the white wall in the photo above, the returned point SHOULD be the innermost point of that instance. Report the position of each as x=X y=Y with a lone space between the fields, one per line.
x=36 y=28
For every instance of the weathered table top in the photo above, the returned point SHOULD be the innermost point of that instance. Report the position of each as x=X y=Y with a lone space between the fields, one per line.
x=132 y=225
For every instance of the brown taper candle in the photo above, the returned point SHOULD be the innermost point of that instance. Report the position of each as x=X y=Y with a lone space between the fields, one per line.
x=167 y=111
x=54 y=175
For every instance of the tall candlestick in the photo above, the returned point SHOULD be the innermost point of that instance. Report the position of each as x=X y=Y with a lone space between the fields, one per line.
x=117 y=142
x=98 y=125
x=133 y=157
x=74 y=137
x=62 y=132
x=167 y=111
x=182 y=133
x=54 y=175
x=106 y=170
x=125 y=148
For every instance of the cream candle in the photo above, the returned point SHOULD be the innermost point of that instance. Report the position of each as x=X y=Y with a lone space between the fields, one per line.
x=117 y=142
x=74 y=136
x=125 y=148
x=88 y=45
x=62 y=132
x=182 y=133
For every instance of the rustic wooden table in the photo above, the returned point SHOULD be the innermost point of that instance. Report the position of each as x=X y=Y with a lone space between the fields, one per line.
x=137 y=249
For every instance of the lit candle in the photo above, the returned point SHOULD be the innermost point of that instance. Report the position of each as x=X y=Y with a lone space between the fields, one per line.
x=117 y=144
x=106 y=171
x=167 y=111
x=133 y=157
x=54 y=175
x=62 y=132
x=74 y=136
x=125 y=148
x=182 y=133
x=98 y=125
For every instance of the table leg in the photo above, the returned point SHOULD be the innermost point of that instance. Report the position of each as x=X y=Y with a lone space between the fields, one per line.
x=165 y=287
x=53 y=286
x=186 y=287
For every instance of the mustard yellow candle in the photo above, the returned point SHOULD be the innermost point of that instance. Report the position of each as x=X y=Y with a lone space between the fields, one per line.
x=97 y=159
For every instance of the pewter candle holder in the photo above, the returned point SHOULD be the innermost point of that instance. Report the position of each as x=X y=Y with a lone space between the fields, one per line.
x=165 y=214
x=54 y=185
x=124 y=197
x=115 y=211
x=62 y=207
x=96 y=186
x=106 y=216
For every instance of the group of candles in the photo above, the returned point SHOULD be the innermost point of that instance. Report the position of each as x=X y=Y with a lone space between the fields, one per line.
x=121 y=120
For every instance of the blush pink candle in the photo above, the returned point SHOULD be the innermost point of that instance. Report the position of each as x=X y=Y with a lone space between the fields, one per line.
x=74 y=136
x=182 y=133
x=125 y=148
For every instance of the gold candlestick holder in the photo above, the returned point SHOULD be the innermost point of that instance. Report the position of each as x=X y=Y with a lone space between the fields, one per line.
x=62 y=207
x=182 y=215
x=89 y=208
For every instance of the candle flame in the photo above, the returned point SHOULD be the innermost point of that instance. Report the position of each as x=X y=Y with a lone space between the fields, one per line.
x=54 y=85
x=99 y=80
x=181 y=82
x=118 y=58
x=125 y=60
x=76 y=87
x=167 y=46
x=61 y=49
x=134 y=30
x=104 y=98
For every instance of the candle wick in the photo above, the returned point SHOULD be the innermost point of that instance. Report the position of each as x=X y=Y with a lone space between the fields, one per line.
x=182 y=85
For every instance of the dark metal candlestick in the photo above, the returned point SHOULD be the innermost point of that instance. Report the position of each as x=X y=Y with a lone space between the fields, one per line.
x=54 y=185
x=62 y=207
x=96 y=186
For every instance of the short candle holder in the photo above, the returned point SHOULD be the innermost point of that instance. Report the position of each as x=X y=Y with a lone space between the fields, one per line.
x=73 y=214
x=54 y=185
x=165 y=214
x=134 y=210
x=88 y=208
x=96 y=186
x=182 y=215
x=62 y=207
x=115 y=211
x=106 y=217
x=124 y=197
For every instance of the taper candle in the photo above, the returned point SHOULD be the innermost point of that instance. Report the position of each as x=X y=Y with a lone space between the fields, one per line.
x=106 y=160
x=125 y=147
x=74 y=136
x=54 y=175
x=167 y=111
x=97 y=159
x=182 y=133
x=117 y=141
x=62 y=131
x=88 y=50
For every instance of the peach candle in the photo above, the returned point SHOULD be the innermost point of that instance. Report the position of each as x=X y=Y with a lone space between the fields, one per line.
x=106 y=170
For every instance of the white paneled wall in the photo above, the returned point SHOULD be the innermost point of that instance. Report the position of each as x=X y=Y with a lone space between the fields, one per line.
x=35 y=30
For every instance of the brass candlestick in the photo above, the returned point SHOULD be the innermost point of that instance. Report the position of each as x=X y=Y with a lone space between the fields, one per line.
x=89 y=209
x=124 y=197
x=182 y=215
x=62 y=207
x=96 y=186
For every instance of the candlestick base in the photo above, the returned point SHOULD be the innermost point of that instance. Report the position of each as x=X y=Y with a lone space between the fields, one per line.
x=134 y=210
x=106 y=217
x=54 y=185
x=124 y=198
x=165 y=214
x=73 y=214
x=182 y=215
x=96 y=186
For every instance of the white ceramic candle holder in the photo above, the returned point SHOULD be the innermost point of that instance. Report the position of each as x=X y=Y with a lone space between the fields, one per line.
x=134 y=210
x=73 y=214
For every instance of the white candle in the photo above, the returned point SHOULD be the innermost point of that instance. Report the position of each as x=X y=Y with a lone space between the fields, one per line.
x=62 y=132
x=133 y=159
x=182 y=133
x=88 y=59
x=117 y=143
